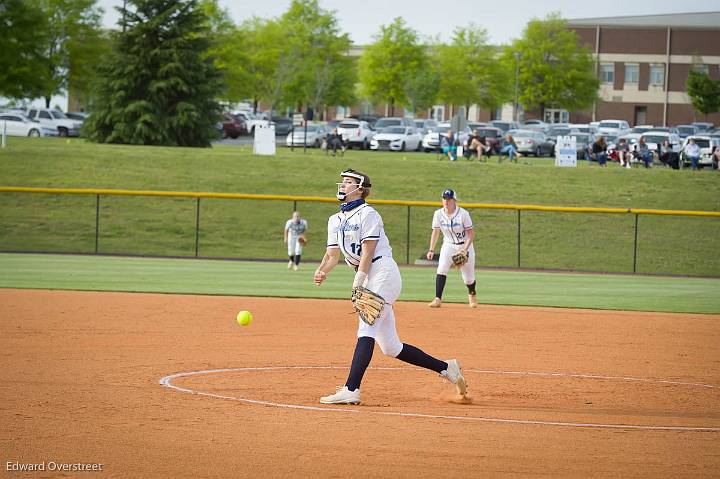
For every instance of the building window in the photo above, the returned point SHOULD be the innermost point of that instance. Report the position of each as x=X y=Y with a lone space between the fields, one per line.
x=607 y=72
x=554 y=115
x=632 y=73
x=700 y=68
x=657 y=75
x=438 y=112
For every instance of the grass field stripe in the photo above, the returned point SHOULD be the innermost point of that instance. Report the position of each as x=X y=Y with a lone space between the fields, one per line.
x=167 y=382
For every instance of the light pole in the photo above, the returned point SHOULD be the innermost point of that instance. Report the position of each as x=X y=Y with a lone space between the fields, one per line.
x=517 y=74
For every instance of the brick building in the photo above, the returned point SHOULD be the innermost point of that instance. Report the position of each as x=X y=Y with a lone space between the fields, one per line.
x=643 y=64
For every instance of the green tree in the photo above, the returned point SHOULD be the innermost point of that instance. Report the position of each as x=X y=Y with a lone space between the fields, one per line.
x=386 y=66
x=24 y=35
x=72 y=45
x=158 y=85
x=554 y=70
x=322 y=73
x=471 y=72
x=227 y=50
x=703 y=92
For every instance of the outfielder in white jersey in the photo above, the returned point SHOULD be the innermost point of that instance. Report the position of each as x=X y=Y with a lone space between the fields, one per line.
x=294 y=235
x=358 y=232
x=456 y=227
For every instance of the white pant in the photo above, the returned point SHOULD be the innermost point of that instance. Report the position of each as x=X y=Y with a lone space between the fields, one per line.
x=445 y=262
x=384 y=279
x=294 y=246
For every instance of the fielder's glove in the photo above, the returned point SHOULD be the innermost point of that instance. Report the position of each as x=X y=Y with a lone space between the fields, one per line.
x=367 y=304
x=302 y=240
x=460 y=258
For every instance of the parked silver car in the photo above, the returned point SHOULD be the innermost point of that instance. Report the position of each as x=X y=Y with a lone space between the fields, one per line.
x=315 y=136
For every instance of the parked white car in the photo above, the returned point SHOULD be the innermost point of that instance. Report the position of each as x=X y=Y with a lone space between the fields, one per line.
x=55 y=119
x=397 y=138
x=655 y=139
x=706 y=145
x=356 y=133
x=315 y=136
x=251 y=120
x=613 y=127
x=431 y=141
x=17 y=124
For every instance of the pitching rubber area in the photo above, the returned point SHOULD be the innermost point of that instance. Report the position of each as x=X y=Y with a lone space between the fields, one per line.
x=153 y=385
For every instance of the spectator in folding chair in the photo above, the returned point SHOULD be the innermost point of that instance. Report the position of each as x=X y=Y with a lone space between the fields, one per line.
x=598 y=151
x=716 y=157
x=475 y=144
x=669 y=156
x=510 y=148
x=692 y=151
x=335 y=141
x=642 y=152
x=623 y=153
x=449 y=145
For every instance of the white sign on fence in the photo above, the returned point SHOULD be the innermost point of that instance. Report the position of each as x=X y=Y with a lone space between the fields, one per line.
x=264 y=143
x=566 y=151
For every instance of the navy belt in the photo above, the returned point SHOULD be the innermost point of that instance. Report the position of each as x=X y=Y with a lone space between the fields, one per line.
x=462 y=242
x=373 y=260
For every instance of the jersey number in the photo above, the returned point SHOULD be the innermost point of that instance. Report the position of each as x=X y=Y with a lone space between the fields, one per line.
x=460 y=235
x=356 y=248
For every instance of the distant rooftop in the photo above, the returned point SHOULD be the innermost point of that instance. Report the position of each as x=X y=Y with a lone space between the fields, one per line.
x=692 y=20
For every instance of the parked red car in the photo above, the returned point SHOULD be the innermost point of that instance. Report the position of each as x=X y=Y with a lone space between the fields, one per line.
x=233 y=126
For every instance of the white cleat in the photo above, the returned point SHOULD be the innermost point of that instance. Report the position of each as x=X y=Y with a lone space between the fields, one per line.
x=290 y=264
x=342 y=396
x=472 y=300
x=435 y=303
x=454 y=374
x=295 y=267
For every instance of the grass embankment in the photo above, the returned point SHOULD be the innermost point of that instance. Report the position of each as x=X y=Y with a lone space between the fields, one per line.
x=253 y=229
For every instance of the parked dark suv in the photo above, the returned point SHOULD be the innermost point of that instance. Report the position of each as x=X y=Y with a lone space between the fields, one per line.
x=283 y=126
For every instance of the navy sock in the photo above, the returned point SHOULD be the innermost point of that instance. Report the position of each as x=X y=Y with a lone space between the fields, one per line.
x=297 y=259
x=360 y=362
x=471 y=287
x=416 y=357
x=440 y=285
x=292 y=258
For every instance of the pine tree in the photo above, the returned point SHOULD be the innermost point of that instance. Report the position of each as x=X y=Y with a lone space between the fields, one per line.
x=158 y=85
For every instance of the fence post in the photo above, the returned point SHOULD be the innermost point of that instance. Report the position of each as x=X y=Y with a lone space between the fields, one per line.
x=407 y=241
x=97 y=221
x=294 y=206
x=518 y=238
x=635 y=244
x=197 y=226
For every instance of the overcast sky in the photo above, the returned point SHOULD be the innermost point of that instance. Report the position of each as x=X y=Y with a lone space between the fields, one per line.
x=503 y=20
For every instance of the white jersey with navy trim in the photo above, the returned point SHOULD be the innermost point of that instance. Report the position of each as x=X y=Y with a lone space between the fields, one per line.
x=453 y=226
x=296 y=228
x=348 y=230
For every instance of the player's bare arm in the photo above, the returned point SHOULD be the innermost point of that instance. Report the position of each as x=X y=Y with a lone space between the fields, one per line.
x=433 y=241
x=329 y=261
x=469 y=237
x=368 y=253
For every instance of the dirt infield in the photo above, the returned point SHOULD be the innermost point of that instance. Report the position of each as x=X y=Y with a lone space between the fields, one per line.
x=81 y=372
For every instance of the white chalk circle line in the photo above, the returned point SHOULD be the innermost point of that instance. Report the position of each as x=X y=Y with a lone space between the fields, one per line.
x=167 y=381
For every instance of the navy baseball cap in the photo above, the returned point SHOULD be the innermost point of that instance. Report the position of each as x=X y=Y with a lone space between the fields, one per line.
x=449 y=194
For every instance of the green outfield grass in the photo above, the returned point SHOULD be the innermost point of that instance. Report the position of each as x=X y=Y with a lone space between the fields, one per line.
x=100 y=273
x=253 y=229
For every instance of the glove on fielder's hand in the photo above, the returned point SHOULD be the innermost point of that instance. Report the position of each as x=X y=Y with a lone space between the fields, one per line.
x=460 y=258
x=302 y=240
x=367 y=304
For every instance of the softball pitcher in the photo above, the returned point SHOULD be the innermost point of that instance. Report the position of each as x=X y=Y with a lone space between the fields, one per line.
x=294 y=235
x=357 y=231
x=457 y=248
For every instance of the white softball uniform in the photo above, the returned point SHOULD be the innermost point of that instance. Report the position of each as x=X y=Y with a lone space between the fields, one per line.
x=347 y=231
x=454 y=230
x=294 y=231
